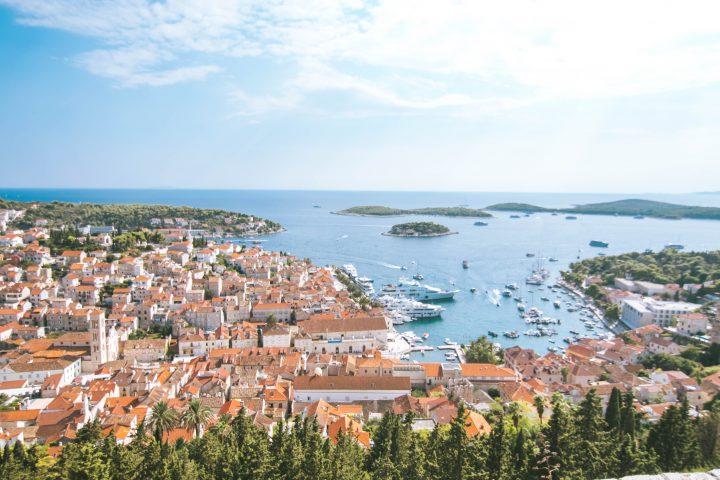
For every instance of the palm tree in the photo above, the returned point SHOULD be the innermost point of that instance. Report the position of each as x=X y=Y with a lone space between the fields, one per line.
x=539 y=406
x=196 y=416
x=163 y=419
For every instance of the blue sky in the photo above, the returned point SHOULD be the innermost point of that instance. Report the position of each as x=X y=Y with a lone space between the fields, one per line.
x=346 y=94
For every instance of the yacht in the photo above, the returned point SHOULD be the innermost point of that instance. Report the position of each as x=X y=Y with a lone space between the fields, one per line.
x=398 y=318
x=599 y=243
x=571 y=217
x=480 y=224
x=418 y=276
x=552 y=259
x=409 y=307
x=350 y=270
x=416 y=291
x=507 y=293
x=492 y=334
x=511 y=334
x=512 y=286
x=534 y=279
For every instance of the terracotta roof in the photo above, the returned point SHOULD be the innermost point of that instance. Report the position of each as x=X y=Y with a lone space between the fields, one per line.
x=317 y=382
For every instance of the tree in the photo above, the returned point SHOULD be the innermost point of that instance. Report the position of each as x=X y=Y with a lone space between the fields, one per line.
x=673 y=440
x=196 y=416
x=612 y=412
x=481 y=350
x=539 y=403
x=162 y=419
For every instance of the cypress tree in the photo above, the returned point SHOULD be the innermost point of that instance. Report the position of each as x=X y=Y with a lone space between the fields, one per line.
x=613 y=411
x=627 y=416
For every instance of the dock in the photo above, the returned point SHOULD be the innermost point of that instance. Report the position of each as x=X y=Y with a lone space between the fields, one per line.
x=455 y=348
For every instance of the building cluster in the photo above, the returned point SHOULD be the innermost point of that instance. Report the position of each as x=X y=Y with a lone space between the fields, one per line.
x=104 y=336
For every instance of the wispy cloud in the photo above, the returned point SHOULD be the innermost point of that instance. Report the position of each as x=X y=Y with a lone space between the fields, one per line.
x=413 y=55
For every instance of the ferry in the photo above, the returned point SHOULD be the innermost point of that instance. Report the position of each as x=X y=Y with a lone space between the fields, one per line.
x=416 y=291
x=571 y=217
x=599 y=243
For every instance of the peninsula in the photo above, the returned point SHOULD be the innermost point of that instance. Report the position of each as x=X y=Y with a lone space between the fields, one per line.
x=628 y=207
x=418 y=229
x=134 y=217
x=381 y=211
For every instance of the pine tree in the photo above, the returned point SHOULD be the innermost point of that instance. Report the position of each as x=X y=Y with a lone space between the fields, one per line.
x=498 y=456
x=674 y=441
x=594 y=452
x=627 y=416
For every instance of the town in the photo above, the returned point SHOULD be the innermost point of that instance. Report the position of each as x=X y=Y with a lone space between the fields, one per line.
x=108 y=336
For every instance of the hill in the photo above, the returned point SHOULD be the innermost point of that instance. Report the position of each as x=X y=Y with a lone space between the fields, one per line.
x=133 y=217
x=628 y=207
x=382 y=211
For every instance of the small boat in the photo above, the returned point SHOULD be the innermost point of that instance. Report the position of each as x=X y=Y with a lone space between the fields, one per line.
x=639 y=217
x=317 y=206
x=552 y=259
x=492 y=334
x=574 y=332
x=425 y=336
x=521 y=307
x=675 y=246
x=514 y=216
x=507 y=293
x=473 y=289
x=418 y=276
x=447 y=341
x=465 y=264
x=405 y=356
x=557 y=304
x=481 y=224
x=512 y=286
x=570 y=217
x=403 y=267
x=599 y=243
x=545 y=299
x=529 y=255
x=511 y=334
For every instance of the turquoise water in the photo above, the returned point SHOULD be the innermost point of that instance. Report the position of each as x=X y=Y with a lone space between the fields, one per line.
x=496 y=253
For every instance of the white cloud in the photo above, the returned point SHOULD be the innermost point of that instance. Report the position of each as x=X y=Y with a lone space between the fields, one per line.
x=412 y=55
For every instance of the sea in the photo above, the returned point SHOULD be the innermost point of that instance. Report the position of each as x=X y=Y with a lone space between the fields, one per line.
x=497 y=254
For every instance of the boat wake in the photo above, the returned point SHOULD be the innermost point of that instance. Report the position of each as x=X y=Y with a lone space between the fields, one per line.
x=494 y=296
x=390 y=265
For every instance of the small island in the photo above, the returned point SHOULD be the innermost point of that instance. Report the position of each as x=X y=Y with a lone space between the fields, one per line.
x=382 y=211
x=630 y=207
x=419 y=230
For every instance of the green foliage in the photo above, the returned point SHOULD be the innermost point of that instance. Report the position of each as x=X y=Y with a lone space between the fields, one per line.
x=663 y=361
x=666 y=266
x=380 y=211
x=481 y=350
x=418 y=229
x=575 y=443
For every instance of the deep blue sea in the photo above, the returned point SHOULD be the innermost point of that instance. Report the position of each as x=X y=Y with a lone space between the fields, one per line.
x=496 y=253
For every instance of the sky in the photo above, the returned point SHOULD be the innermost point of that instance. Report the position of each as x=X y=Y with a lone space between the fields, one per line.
x=520 y=95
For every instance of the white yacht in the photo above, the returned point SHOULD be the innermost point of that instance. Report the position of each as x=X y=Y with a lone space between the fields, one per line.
x=410 y=308
x=350 y=270
x=416 y=291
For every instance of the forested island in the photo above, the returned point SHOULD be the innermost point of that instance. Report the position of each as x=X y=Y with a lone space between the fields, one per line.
x=629 y=207
x=418 y=229
x=381 y=211
x=135 y=217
